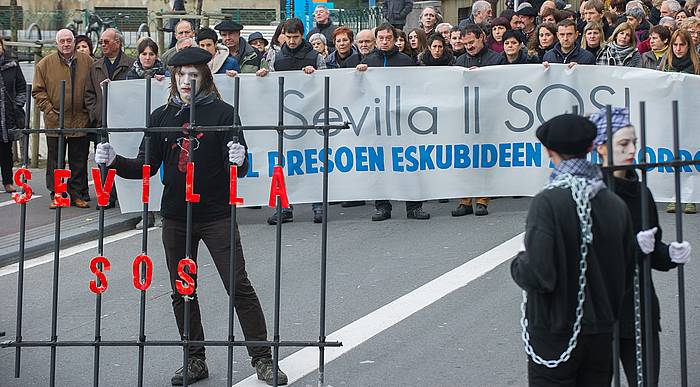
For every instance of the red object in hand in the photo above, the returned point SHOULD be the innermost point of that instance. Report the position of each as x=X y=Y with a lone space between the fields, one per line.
x=278 y=188
x=59 y=187
x=233 y=186
x=137 y=272
x=146 y=183
x=190 y=196
x=185 y=285
x=23 y=197
x=102 y=192
x=94 y=287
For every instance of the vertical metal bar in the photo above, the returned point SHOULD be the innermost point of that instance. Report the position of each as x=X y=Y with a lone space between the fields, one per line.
x=278 y=241
x=679 y=238
x=324 y=233
x=100 y=245
x=645 y=262
x=144 y=238
x=188 y=236
x=57 y=234
x=232 y=254
x=22 y=240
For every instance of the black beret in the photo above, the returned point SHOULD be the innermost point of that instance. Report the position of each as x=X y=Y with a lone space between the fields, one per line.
x=206 y=33
x=228 y=25
x=190 y=56
x=527 y=11
x=567 y=134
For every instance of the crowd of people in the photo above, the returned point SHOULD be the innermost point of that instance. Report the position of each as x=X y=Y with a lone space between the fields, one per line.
x=662 y=35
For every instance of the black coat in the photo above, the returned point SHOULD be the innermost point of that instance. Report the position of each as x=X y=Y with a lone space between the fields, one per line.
x=14 y=97
x=523 y=58
x=549 y=268
x=288 y=59
x=211 y=178
x=578 y=55
x=483 y=58
x=391 y=58
x=333 y=61
x=326 y=30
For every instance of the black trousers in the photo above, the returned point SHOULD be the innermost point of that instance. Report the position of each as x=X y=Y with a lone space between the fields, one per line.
x=629 y=359
x=78 y=149
x=6 y=161
x=215 y=235
x=590 y=364
x=386 y=205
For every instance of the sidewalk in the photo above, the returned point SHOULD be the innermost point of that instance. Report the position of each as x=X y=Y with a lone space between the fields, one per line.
x=78 y=225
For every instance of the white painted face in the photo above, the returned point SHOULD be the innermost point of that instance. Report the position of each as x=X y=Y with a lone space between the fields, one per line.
x=624 y=146
x=183 y=77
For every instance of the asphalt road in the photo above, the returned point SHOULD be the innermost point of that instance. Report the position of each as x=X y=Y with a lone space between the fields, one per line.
x=467 y=337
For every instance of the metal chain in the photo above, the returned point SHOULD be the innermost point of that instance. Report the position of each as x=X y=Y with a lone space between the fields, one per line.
x=638 y=327
x=580 y=192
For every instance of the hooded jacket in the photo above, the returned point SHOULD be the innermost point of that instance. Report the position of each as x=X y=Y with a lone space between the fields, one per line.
x=222 y=61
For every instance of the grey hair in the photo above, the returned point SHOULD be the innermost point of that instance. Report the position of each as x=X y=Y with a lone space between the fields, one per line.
x=634 y=4
x=669 y=22
x=117 y=35
x=480 y=6
x=321 y=6
x=185 y=22
x=673 y=6
x=63 y=31
x=318 y=36
x=441 y=25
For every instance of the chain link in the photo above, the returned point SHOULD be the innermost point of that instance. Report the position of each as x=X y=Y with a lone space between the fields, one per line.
x=638 y=327
x=580 y=192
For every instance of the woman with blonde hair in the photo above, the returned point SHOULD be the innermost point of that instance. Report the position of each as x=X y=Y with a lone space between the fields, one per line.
x=621 y=49
x=680 y=57
x=593 y=39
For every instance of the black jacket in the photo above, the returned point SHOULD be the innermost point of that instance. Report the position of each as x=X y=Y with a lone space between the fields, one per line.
x=483 y=58
x=13 y=98
x=395 y=11
x=287 y=59
x=630 y=191
x=578 y=55
x=211 y=178
x=327 y=31
x=523 y=58
x=333 y=61
x=549 y=268
x=391 y=58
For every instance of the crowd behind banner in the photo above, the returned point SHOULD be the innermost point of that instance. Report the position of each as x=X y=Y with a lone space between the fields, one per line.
x=664 y=36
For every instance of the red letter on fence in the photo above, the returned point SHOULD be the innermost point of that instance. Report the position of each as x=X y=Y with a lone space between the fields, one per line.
x=185 y=285
x=100 y=274
x=278 y=188
x=59 y=187
x=190 y=196
x=137 y=272
x=21 y=198
x=233 y=189
x=146 y=184
x=102 y=192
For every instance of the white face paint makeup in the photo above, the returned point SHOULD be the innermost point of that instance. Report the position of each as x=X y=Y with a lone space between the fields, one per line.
x=183 y=78
x=624 y=146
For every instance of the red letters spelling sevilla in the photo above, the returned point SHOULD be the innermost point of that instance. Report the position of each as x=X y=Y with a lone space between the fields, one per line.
x=21 y=198
x=99 y=289
x=185 y=285
x=277 y=188
x=233 y=186
x=59 y=187
x=102 y=192
x=190 y=196
x=146 y=183
x=136 y=269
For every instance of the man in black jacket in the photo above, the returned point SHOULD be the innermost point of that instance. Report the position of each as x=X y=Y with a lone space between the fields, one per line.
x=212 y=153
x=567 y=50
x=387 y=55
x=476 y=55
x=395 y=12
x=576 y=263
x=324 y=26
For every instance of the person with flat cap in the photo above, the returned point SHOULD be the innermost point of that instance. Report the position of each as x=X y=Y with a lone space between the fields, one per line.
x=212 y=154
x=258 y=41
x=250 y=60
x=575 y=265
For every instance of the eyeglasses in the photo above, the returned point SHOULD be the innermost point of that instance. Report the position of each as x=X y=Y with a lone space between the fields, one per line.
x=105 y=41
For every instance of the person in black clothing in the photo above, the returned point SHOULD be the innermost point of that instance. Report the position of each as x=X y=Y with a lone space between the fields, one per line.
x=395 y=12
x=345 y=54
x=567 y=50
x=663 y=257
x=513 y=50
x=324 y=25
x=387 y=55
x=213 y=151
x=436 y=54
x=576 y=228
x=13 y=95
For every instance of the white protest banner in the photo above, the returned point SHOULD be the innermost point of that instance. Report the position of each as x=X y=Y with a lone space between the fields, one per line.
x=422 y=133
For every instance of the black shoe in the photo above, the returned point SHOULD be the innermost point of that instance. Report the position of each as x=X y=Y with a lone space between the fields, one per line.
x=481 y=210
x=264 y=370
x=196 y=370
x=381 y=214
x=287 y=216
x=356 y=203
x=462 y=210
x=318 y=216
x=418 y=213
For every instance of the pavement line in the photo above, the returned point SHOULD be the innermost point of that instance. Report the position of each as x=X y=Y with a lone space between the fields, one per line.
x=305 y=361
x=10 y=202
x=46 y=258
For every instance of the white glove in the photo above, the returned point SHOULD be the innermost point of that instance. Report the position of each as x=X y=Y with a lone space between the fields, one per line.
x=646 y=240
x=679 y=252
x=236 y=153
x=105 y=154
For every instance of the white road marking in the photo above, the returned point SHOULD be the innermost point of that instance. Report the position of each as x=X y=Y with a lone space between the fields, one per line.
x=65 y=253
x=305 y=361
x=10 y=202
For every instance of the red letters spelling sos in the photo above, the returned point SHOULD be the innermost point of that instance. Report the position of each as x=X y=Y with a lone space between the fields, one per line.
x=142 y=281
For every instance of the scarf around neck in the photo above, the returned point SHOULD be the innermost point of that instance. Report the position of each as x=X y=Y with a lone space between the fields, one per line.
x=199 y=99
x=616 y=54
x=157 y=69
x=581 y=168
